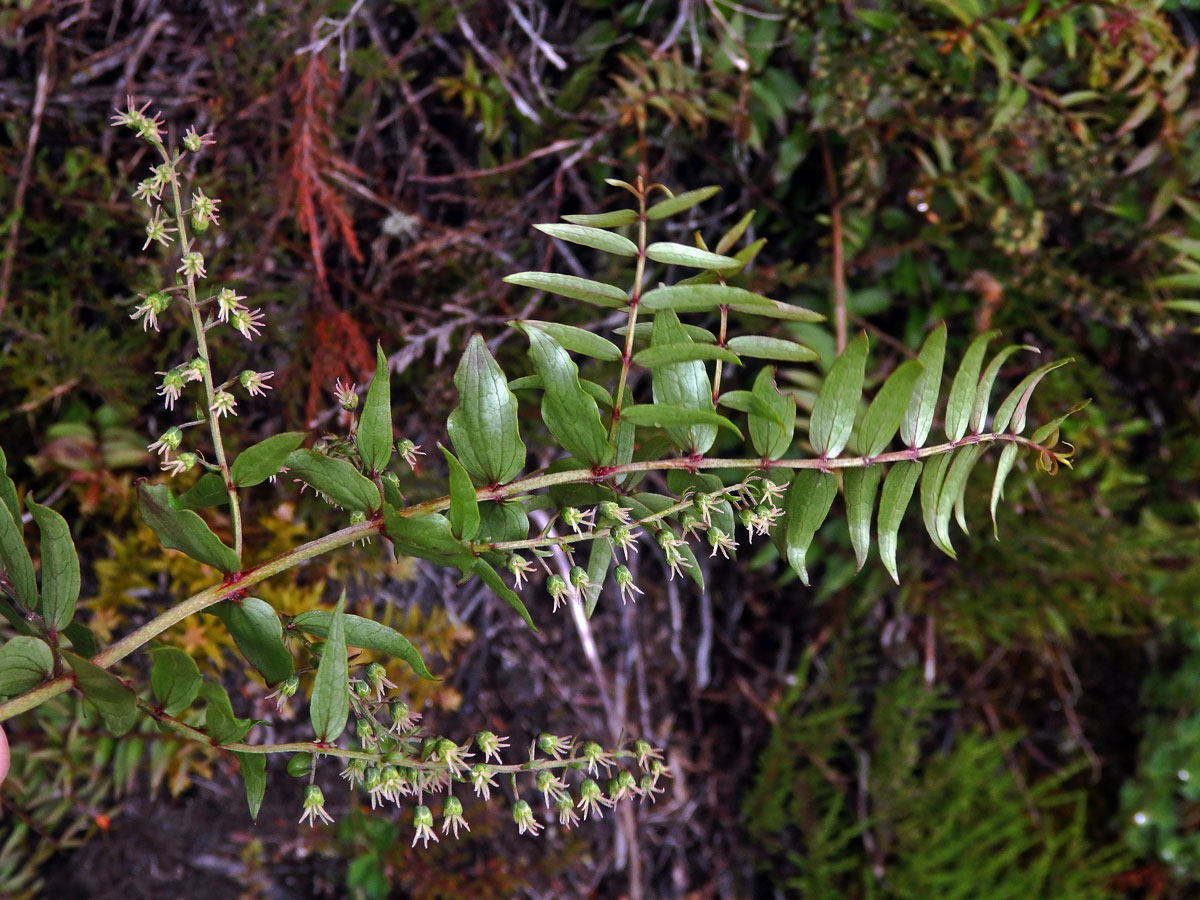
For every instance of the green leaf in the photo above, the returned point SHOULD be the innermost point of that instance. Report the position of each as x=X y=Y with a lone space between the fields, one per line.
x=219 y=721
x=335 y=479
x=1008 y=456
x=82 y=640
x=932 y=480
x=254 y=775
x=464 y=507
x=861 y=486
x=1012 y=410
x=25 y=662
x=734 y=234
x=374 y=435
x=643 y=331
x=330 y=705
x=209 y=490
x=483 y=427
x=962 y=392
x=684 y=385
x=1178 y=280
x=952 y=491
x=807 y=504
x=578 y=340
x=837 y=401
x=256 y=464
x=15 y=559
x=692 y=565
x=182 y=529
x=886 y=411
x=682 y=255
x=747 y=402
x=599 y=561
x=595 y=292
x=983 y=392
x=665 y=354
x=775 y=310
x=661 y=415
x=426 y=536
x=1043 y=432
x=771 y=435
x=116 y=703
x=760 y=347
x=365 y=633
x=492 y=579
x=587 y=236
x=255 y=627
x=1188 y=306
x=878 y=21
x=701 y=298
x=537 y=383
x=568 y=411
x=680 y=202
x=174 y=679
x=8 y=490
x=897 y=492
x=918 y=417
x=60 y=567
x=614 y=219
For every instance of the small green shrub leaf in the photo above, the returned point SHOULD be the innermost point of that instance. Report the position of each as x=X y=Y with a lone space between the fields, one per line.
x=595 y=292
x=568 y=411
x=614 y=219
x=761 y=347
x=837 y=401
x=82 y=640
x=772 y=434
x=502 y=521
x=492 y=579
x=599 y=562
x=255 y=627
x=664 y=208
x=787 y=312
x=684 y=385
x=952 y=491
x=700 y=298
x=682 y=255
x=579 y=340
x=15 y=559
x=256 y=464
x=962 y=391
x=807 y=504
x=25 y=662
x=426 y=536
x=330 y=705
x=483 y=427
x=365 y=633
x=1008 y=456
x=663 y=354
x=253 y=767
x=116 y=703
x=587 y=236
x=60 y=566
x=8 y=490
x=464 y=507
x=174 y=679
x=182 y=529
x=537 y=383
x=983 y=393
x=374 y=435
x=918 y=417
x=335 y=479
x=897 y=492
x=861 y=485
x=209 y=490
x=219 y=721
x=747 y=402
x=1011 y=411
x=661 y=415
x=883 y=416
x=933 y=478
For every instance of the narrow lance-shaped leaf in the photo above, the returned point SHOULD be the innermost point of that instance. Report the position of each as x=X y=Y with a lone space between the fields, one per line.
x=685 y=385
x=837 y=401
x=60 y=567
x=25 y=662
x=374 y=435
x=8 y=490
x=174 y=679
x=665 y=354
x=483 y=428
x=464 y=507
x=1008 y=456
x=256 y=464
x=1012 y=410
x=672 y=418
x=599 y=562
x=182 y=529
x=365 y=633
x=116 y=703
x=807 y=504
x=761 y=347
x=255 y=627
x=886 y=411
x=983 y=393
x=960 y=401
x=330 y=705
x=492 y=579
x=897 y=492
x=587 y=236
x=595 y=292
x=771 y=435
x=682 y=255
x=578 y=340
x=335 y=479
x=861 y=485
x=952 y=489
x=253 y=767
x=932 y=480
x=680 y=202
x=918 y=418
x=568 y=411
x=701 y=298
x=613 y=219
x=15 y=559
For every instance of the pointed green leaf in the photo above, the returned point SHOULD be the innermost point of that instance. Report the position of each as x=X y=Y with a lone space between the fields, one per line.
x=664 y=354
x=643 y=331
x=692 y=565
x=182 y=529
x=952 y=490
x=983 y=392
x=932 y=480
x=568 y=411
x=700 y=298
x=1012 y=410
x=860 y=486
x=483 y=427
x=682 y=255
x=684 y=385
x=256 y=464
x=599 y=562
x=1008 y=456
x=492 y=579
x=661 y=415
x=595 y=292
x=82 y=640
x=209 y=490
x=174 y=679
x=330 y=705
x=579 y=340
x=806 y=505
x=15 y=559
x=775 y=310
x=772 y=435
x=253 y=767
x=1051 y=428
x=365 y=633
x=747 y=402
x=374 y=435
x=734 y=234
x=962 y=392
x=426 y=536
x=537 y=383
x=918 y=417
x=897 y=492
x=614 y=219
x=886 y=411
x=760 y=347
x=587 y=236
x=8 y=490
x=60 y=567
x=335 y=479
x=837 y=401
x=219 y=721
x=255 y=627
x=680 y=202
x=116 y=703
x=25 y=662
x=464 y=507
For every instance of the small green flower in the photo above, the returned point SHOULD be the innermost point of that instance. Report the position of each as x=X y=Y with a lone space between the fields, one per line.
x=192 y=265
x=153 y=306
x=314 y=806
x=248 y=322
x=553 y=745
x=567 y=816
x=196 y=142
x=423 y=820
x=172 y=385
x=481 y=780
x=180 y=464
x=158 y=230
x=224 y=404
x=625 y=583
x=284 y=691
x=591 y=800
x=452 y=816
x=255 y=383
x=523 y=816
x=490 y=745
x=167 y=443
x=556 y=585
